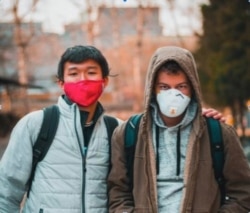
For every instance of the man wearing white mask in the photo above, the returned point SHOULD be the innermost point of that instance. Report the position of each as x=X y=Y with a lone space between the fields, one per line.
x=172 y=169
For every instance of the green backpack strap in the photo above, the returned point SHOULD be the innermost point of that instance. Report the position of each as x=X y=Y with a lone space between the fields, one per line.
x=44 y=139
x=111 y=123
x=217 y=152
x=131 y=132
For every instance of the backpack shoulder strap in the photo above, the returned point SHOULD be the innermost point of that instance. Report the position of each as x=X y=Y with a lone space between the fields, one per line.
x=217 y=152
x=131 y=130
x=45 y=138
x=111 y=123
x=47 y=132
x=131 y=133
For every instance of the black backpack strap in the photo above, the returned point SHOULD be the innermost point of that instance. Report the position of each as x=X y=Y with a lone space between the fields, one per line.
x=131 y=133
x=111 y=123
x=217 y=152
x=44 y=139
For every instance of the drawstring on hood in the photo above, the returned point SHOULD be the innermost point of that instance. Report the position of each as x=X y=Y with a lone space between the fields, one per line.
x=189 y=116
x=178 y=151
x=157 y=150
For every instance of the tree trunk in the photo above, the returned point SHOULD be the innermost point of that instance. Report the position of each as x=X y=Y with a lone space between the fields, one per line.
x=137 y=106
x=23 y=106
x=90 y=24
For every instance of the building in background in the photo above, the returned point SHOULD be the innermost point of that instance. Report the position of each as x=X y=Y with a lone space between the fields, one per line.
x=126 y=36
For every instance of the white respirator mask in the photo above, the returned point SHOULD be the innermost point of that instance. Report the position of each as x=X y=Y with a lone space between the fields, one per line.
x=172 y=102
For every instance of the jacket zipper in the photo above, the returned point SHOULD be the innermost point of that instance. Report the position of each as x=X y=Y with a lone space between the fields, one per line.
x=83 y=155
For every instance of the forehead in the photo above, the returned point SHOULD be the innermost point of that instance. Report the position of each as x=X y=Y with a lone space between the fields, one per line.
x=87 y=64
x=164 y=76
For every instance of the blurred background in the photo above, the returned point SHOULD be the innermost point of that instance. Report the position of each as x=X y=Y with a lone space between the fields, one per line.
x=35 y=33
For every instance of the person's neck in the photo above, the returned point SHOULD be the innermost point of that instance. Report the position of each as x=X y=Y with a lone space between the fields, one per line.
x=91 y=110
x=170 y=122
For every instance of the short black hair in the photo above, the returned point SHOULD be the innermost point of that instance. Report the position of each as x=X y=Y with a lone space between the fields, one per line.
x=78 y=54
x=171 y=66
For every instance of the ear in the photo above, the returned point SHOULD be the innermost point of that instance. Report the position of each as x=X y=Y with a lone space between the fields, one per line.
x=106 y=81
x=60 y=83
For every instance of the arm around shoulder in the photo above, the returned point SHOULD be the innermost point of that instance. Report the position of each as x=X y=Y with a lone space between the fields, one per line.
x=15 y=165
x=119 y=189
x=236 y=173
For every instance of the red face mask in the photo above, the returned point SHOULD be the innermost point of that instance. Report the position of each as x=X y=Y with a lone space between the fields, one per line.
x=84 y=93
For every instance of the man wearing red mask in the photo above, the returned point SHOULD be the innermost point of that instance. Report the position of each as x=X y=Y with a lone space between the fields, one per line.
x=72 y=176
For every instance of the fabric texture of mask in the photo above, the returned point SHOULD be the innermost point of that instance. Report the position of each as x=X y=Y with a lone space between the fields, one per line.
x=84 y=93
x=172 y=102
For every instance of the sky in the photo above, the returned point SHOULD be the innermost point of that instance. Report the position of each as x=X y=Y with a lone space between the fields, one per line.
x=184 y=19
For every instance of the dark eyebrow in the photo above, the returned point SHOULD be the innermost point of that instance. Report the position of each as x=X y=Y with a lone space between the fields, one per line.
x=184 y=83
x=72 y=67
x=92 y=67
x=160 y=83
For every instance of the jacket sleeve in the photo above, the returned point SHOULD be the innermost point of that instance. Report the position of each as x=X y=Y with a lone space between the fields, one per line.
x=236 y=173
x=120 y=193
x=15 y=165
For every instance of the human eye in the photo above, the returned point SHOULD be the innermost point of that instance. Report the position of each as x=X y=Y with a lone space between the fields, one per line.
x=183 y=86
x=73 y=73
x=92 y=71
x=163 y=87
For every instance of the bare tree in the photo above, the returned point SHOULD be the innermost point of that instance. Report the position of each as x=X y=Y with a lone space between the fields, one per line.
x=191 y=14
x=115 y=25
x=171 y=4
x=22 y=38
x=137 y=71
x=89 y=15
x=90 y=22
x=137 y=59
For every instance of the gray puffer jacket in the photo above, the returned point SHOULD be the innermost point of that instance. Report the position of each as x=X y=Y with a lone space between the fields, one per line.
x=66 y=181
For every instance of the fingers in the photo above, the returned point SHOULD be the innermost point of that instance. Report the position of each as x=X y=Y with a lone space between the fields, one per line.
x=223 y=119
x=209 y=112
x=219 y=117
x=213 y=113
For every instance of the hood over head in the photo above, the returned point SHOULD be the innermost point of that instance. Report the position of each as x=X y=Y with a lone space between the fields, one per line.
x=184 y=58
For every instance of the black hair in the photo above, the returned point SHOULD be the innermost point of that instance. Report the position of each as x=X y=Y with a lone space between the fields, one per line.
x=171 y=66
x=78 y=54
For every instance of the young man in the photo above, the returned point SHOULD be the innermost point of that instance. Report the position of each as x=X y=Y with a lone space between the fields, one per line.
x=172 y=168
x=72 y=176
